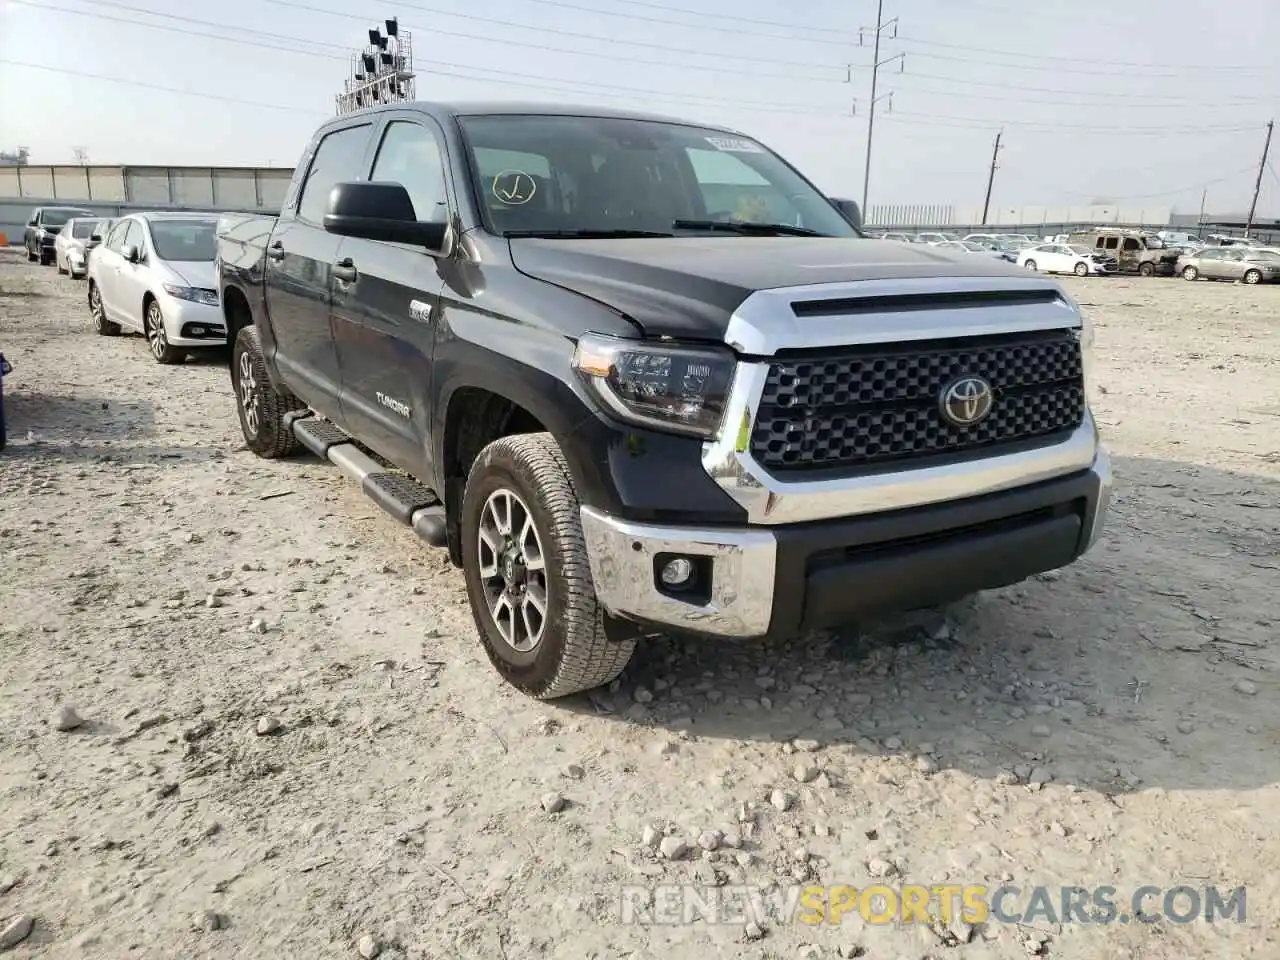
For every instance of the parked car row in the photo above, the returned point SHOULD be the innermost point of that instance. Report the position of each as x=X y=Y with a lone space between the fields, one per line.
x=152 y=273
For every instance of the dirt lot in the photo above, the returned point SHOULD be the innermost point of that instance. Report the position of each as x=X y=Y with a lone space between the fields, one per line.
x=1115 y=723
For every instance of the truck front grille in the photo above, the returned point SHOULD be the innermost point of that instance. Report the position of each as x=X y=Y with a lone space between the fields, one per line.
x=861 y=406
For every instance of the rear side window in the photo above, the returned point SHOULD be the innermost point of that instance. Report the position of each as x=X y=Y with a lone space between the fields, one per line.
x=338 y=158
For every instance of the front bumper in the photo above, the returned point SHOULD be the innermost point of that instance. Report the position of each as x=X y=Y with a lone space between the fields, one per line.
x=782 y=580
x=191 y=324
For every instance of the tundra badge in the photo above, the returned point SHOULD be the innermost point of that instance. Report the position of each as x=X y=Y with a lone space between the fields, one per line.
x=393 y=405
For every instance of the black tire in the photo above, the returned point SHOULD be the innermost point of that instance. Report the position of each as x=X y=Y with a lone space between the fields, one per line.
x=264 y=428
x=1031 y=265
x=573 y=653
x=1190 y=273
x=103 y=326
x=1252 y=276
x=1081 y=269
x=157 y=339
x=1147 y=269
x=45 y=259
x=32 y=257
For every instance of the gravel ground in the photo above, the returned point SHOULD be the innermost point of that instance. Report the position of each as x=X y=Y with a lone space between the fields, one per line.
x=287 y=742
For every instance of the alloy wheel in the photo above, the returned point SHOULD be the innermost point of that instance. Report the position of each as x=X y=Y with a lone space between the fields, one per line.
x=249 y=393
x=155 y=331
x=513 y=571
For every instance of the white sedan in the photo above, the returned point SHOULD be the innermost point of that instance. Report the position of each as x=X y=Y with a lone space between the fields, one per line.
x=1065 y=258
x=154 y=273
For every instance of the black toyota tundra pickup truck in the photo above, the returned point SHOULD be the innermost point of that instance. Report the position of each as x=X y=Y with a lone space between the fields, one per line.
x=639 y=375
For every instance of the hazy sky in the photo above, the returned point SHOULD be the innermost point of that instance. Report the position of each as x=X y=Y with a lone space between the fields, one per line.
x=1145 y=101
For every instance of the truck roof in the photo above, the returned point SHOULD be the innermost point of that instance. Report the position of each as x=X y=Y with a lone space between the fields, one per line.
x=441 y=110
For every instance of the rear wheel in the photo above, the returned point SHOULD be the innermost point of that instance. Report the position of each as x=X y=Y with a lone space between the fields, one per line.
x=1147 y=269
x=527 y=573
x=157 y=338
x=1190 y=273
x=101 y=324
x=1253 y=276
x=262 y=408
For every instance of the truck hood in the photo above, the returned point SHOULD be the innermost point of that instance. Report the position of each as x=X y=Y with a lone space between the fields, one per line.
x=689 y=287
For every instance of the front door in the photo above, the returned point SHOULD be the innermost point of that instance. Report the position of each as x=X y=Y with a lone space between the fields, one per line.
x=299 y=272
x=385 y=301
x=1232 y=264
x=107 y=272
x=131 y=278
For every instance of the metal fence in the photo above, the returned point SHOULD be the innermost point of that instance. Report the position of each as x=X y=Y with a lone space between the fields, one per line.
x=111 y=191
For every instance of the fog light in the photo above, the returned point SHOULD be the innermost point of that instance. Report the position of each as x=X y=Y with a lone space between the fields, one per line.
x=677 y=572
x=197 y=331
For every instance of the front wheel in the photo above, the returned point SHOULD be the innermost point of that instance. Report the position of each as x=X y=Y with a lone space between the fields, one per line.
x=1082 y=269
x=157 y=338
x=262 y=408
x=527 y=573
x=1190 y=273
x=1253 y=276
x=1030 y=265
x=1147 y=269
x=32 y=257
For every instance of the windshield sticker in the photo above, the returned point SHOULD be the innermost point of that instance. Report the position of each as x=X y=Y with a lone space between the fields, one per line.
x=514 y=187
x=734 y=145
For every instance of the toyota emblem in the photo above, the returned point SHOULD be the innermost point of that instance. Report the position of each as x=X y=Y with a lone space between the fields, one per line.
x=966 y=401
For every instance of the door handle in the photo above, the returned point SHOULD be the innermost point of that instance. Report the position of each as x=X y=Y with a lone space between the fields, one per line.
x=345 y=270
x=276 y=251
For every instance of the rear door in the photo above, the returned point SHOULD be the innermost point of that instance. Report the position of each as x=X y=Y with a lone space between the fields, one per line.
x=1210 y=264
x=299 y=270
x=386 y=302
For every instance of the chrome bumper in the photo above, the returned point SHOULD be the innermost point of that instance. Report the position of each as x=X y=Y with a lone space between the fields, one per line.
x=623 y=558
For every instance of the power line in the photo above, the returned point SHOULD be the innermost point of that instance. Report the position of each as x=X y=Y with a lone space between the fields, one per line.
x=443 y=68
x=1123 y=128
x=1058 y=59
x=592 y=37
x=436 y=31
x=1106 y=99
x=292 y=108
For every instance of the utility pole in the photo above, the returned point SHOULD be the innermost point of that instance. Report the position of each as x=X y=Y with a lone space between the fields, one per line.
x=876 y=63
x=1257 y=187
x=991 y=177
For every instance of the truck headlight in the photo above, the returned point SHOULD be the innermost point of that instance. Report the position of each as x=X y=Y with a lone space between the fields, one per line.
x=668 y=386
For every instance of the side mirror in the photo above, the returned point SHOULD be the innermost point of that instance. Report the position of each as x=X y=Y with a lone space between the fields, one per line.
x=849 y=210
x=94 y=238
x=131 y=253
x=32 y=223
x=382 y=211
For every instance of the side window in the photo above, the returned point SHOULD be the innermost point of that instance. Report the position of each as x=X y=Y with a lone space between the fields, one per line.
x=337 y=159
x=136 y=236
x=1131 y=244
x=410 y=156
x=115 y=239
x=1111 y=243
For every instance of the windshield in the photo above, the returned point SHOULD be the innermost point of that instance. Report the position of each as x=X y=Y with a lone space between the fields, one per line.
x=184 y=240
x=1153 y=243
x=83 y=229
x=566 y=175
x=56 y=218
x=974 y=246
x=1268 y=255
